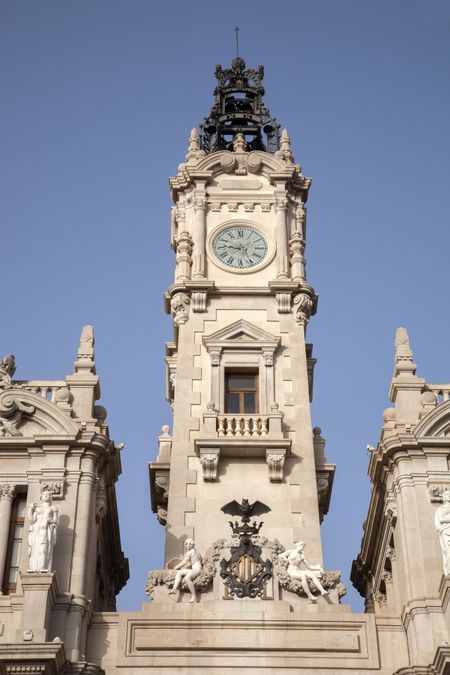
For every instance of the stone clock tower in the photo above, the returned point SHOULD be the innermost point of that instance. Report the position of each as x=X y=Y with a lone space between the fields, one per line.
x=241 y=484
x=239 y=371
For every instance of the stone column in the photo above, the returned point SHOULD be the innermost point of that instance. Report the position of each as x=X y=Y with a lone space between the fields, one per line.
x=199 y=237
x=281 y=237
x=7 y=493
x=82 y=526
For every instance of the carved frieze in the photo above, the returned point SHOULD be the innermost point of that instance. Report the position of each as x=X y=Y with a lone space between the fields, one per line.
x=56 y=488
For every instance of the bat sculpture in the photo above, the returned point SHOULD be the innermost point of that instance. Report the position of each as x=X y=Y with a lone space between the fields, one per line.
x=245 y=511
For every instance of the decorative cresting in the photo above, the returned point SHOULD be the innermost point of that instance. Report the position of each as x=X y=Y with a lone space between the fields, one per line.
x=239 y=109
x=245 y=573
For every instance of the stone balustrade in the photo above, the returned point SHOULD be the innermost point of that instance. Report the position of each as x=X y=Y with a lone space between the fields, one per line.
x=242 y=425
x=45 y=388
x=442 y=391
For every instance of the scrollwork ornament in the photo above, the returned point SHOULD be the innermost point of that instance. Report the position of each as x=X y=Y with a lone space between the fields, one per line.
x=12 y=411
x=179 y=306
x=302 y=306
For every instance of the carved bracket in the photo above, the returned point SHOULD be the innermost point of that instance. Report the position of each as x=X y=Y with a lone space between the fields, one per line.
x=275 y=461
x=209 y=459
x=56 y=488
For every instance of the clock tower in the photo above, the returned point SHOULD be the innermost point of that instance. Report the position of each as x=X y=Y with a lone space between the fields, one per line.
x=239 y=368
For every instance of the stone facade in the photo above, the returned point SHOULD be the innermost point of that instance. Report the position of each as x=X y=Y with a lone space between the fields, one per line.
x=240 y=485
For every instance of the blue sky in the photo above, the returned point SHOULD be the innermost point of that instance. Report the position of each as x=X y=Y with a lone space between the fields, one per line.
x=98 y=99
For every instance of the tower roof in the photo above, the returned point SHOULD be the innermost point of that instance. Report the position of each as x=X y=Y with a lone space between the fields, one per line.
x=239 y=109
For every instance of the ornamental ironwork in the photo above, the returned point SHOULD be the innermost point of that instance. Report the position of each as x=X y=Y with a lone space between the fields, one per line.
x=239 y=109
x=245 y=573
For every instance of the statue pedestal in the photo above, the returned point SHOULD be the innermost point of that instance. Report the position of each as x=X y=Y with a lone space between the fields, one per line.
x=39 y=593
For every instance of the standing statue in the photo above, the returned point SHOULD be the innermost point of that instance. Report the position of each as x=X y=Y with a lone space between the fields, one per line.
x=188 y=569
x=42 y=533
x=299 y=569
x=442 y=525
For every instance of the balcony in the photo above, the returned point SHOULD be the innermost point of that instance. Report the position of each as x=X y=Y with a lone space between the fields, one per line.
x=229 y=435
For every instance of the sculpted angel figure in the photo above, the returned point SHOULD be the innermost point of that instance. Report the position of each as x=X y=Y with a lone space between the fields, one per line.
x=42 y=533
x=299 y=569
x=442 y=525
x=188 y=569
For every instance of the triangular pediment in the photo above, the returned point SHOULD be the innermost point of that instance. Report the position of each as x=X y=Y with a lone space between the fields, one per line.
x=239 y=332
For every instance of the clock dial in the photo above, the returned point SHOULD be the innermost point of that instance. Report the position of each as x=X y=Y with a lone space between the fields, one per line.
x=240 y=247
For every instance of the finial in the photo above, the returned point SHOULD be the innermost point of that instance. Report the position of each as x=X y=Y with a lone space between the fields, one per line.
x=403 y=353
x=236 y=30
x=403 y=350
x=194 y=153
x=285 y=151
x=86 y=348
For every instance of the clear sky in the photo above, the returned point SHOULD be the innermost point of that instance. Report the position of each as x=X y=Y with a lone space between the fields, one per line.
x=98 y=98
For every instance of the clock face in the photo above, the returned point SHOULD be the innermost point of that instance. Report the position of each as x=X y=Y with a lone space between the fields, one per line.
x=240 y=247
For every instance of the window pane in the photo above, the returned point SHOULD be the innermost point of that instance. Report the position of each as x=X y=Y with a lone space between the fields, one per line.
x=21 y=507
x=232 y=403
x=241 y=382
x=15 y=553
x=249 y=402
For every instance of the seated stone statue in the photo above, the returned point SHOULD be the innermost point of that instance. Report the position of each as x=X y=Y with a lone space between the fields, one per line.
x=188 y=569
x=299 y=569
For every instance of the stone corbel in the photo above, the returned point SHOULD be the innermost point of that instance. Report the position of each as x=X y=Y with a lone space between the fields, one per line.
x=283 y=302
x=179 y=308
x=199 y=301
x=303 y=306
x=275 y=461
x=209 y=458
x=55 y=487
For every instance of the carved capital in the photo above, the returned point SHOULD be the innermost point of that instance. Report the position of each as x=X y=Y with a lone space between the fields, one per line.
x=390 y=553
x=209 y=459
x=281 y=205
x=200 y=203
x=275 y=461
x=268 y=357
x=7 y=492
x=179 y=306
x=215 y=356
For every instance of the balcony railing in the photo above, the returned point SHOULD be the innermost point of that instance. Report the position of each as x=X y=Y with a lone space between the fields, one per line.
x=45 y=388
x=441 y=390
x=242 y=425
